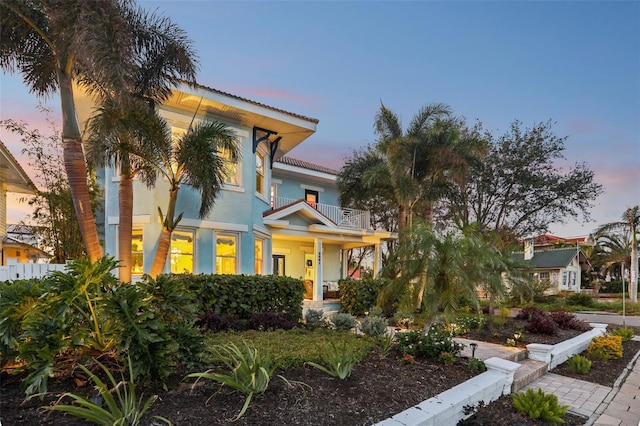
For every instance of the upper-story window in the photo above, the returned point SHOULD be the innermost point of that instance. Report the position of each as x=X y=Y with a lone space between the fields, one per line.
x=260 y=179
x=231 y=168
x=311 y=197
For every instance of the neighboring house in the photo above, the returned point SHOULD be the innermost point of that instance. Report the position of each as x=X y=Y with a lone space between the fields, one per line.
x=275 y=215
x=12 y=179
x=560 y=267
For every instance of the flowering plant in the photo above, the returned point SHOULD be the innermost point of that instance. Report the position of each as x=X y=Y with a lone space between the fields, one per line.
x=429 y=345
x=408 y=359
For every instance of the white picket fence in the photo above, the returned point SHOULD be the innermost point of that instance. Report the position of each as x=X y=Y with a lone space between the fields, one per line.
x=24 y=271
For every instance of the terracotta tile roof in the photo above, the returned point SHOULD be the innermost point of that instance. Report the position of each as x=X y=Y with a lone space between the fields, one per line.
x=306 y=165
x=202 y=86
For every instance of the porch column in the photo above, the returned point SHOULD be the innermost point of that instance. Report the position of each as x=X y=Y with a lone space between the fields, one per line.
x=318 y=279
x=377 y=260
x=344 y=272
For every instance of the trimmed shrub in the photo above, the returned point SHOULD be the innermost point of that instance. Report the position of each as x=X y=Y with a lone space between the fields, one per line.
x=539 y=405
x=429 y=345
x=358 y=296
x=373 y=325
x=243 y=295
x=580 y=299
x=568 y=321
x=606 y=347
x=625 y=332
x=579 y=364
x=528 y=312
x=215 y=323
x=269 y=321
x=314 y=318
x=343 y=322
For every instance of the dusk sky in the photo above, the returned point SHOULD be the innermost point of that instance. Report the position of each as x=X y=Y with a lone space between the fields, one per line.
x=575 y=63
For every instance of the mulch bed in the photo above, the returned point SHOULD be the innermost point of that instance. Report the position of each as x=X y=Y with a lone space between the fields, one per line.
x=377 y=389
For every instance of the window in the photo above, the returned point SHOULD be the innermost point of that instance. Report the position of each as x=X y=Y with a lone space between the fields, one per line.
x=137 y=258
x=311 y=197
x=181 y=252
x=231 y=169
x=544 y=276
x=260 y=181
x=259 y=246
x=226 y=253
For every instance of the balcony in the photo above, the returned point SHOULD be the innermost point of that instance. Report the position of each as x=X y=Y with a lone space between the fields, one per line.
x=344 y=218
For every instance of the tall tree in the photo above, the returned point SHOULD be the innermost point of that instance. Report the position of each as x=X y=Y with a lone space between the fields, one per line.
x=117 y=137
x=197 y=158
x=517 y=189
x=408 y=164
x=99 y=44
x=630 y=224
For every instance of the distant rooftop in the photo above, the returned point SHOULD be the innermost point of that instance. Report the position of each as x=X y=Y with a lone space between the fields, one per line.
x=306 y=165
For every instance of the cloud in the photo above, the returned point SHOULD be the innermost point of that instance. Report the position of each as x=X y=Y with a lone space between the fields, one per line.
x=257 y=93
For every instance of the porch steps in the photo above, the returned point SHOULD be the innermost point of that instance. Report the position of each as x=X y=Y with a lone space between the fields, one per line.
x=529 y=370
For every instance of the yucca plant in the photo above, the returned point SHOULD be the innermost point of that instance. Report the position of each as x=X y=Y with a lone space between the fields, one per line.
x=249 y=371
x=340 y=361
x=579 y=364
x=125 y=409
x=539 y=405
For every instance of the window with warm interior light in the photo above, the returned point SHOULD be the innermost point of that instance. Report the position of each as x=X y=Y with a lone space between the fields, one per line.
x=260 y=181
x=137 y=258
x=231 y=169
x=259 y=246
x=181 y=252
x=226 y=253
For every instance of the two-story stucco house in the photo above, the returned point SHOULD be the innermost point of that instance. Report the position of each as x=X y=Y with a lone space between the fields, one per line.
x=275 y=215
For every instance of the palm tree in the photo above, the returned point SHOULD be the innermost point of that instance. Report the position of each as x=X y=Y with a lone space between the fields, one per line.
x=117 y=137
x=631 y=224
x=195 y=159
x=101 y=45
x=407 y=156
x=447 y=266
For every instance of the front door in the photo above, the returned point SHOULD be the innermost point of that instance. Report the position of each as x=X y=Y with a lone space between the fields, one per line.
x=278 y=265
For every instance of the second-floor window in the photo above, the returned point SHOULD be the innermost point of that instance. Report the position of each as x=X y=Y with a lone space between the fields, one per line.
x=260 y=180
x=311 y=197
x=231 y=170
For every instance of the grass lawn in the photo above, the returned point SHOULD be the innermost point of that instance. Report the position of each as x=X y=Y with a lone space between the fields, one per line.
x=292 y=348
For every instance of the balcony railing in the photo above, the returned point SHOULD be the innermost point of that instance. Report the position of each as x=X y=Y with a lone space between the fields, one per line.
x=344 y=218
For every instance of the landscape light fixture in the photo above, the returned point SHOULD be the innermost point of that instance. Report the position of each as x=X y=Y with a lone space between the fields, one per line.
x=474 y=346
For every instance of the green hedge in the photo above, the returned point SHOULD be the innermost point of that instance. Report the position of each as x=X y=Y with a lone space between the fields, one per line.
x=243 y=295
x=359 y=296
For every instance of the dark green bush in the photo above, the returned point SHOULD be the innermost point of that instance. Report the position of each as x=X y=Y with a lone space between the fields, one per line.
x=580 y=299
x=612 y=287
x=83 y=312
x=359 y=296
x=244 y=295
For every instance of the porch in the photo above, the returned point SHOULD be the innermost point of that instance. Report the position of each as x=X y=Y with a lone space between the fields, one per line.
x=341 y=217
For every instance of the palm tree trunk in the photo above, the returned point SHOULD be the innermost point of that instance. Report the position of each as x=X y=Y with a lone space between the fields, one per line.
x=165 y=237
x=76 y=168
x=125 y=200
x=161 y=253
x=634 y=266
